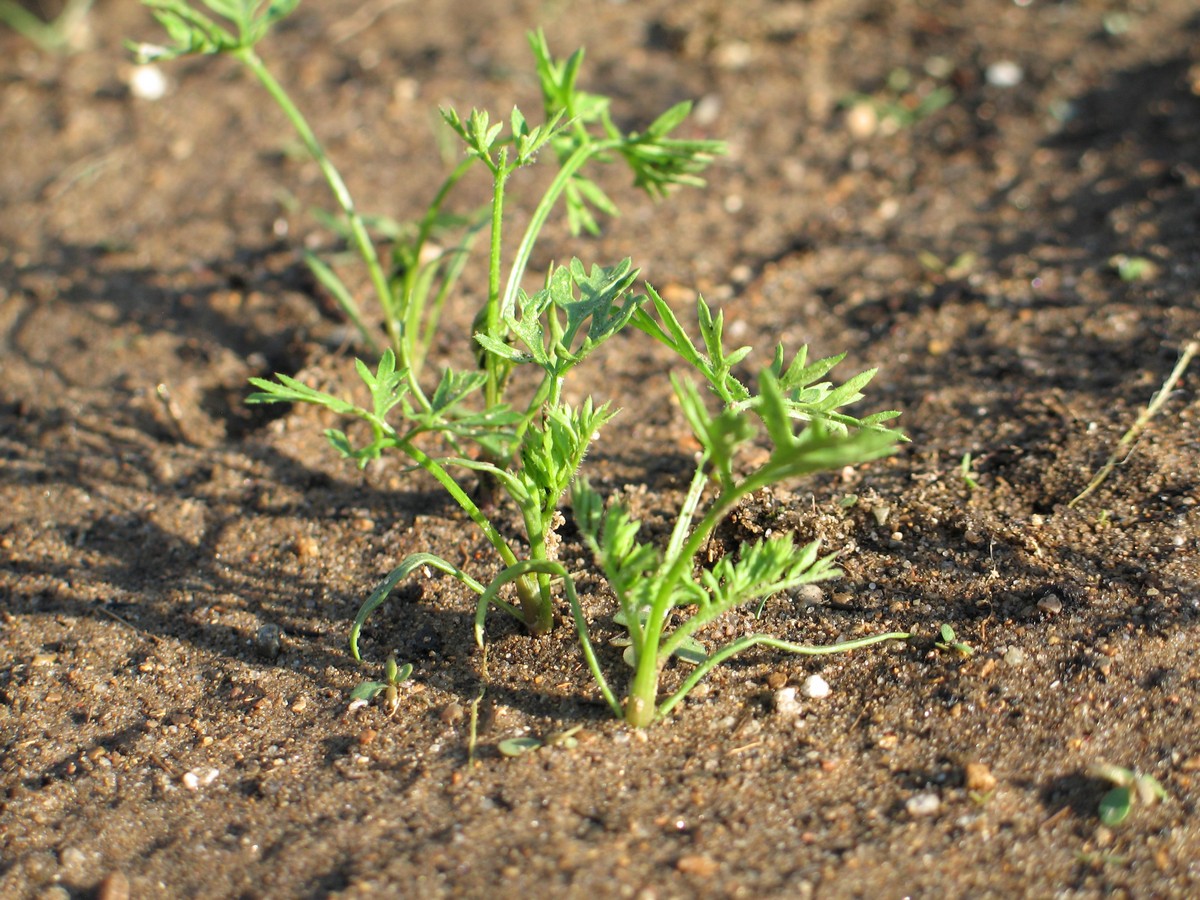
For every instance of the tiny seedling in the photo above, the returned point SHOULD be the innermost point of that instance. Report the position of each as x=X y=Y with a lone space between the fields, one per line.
x=951 y=644
x=1130 y=787
x=394 y=676
x=519 y=746
x=902 y=104
x=967 y=473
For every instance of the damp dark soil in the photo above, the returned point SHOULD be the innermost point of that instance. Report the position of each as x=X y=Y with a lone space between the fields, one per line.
x=1022 y=264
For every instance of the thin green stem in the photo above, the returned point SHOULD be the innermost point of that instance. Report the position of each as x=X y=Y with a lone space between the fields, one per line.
x=358 y=229
x=572 y=165
x=548 y=568
x=536 y=613
x=494 y=316
x=751 y=640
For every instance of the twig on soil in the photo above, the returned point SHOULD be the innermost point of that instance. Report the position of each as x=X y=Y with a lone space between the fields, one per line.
x=129 y=625
x=1125 y=446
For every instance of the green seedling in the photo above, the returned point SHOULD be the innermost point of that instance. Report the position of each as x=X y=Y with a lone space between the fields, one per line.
x=664 y=597
x=58 y=35
x=528 y=446
x=951 y=644
x=519 y=746
x=1133 y=268
x=902 y=104
x=965 y=471
x=394 y=676
x=1131 y=787
x=959 y=267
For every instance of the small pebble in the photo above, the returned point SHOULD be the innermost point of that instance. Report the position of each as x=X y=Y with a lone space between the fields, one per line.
x=926 y=804
x=810 y=595
x=367 y=736
x=1004 y=74
x=1050 y=604
x=269 y=641
x=776 y=680
x=786 y=703
x=198 y=778
x=816 y=688
x=115 y=886
x=698 y=864
x=148 y=82
x=1014 y=656
x=979 y=777
x=452 y=713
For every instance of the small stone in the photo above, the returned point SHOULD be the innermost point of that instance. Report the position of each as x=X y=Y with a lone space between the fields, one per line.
x=776 y=680
x=816 y=688
x=699 y=864
x=862 y=120
x=810 y=595
x=452 y=713
x=72 y=858
x=367 y=736
x=979 y=778
x=197 y=778
x=926 y=804
x=1014 y=656
x=269 y=641
x=306 y=547
x=786 y=704
x=148 y=82
x=1004 y=74
x=1050 y=604
x=115 y=886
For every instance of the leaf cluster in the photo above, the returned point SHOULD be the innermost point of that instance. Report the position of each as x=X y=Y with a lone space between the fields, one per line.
x=192 y=32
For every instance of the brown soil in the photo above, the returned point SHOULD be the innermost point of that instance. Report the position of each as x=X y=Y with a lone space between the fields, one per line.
x=151 y=524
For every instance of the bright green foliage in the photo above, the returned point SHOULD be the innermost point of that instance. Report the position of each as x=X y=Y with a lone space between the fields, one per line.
x=652 y=584
x=530 y=445
x=193 y=32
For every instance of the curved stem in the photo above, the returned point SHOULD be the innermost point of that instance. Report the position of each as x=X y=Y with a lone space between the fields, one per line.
x=358 y=230
x=548 y=568
x=572 y=165
x=753 y=639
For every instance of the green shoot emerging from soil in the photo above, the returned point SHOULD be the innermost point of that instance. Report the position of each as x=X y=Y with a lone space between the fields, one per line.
x=653 y=584
x=395 y=675
x=529 y=444
x=1130 y=787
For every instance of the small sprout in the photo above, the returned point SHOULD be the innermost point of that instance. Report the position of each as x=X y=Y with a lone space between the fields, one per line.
x=1131 y=787
x=1133 y=268
x=965 y=471
x=519 y=746
x=395 y=675
x=951 y=644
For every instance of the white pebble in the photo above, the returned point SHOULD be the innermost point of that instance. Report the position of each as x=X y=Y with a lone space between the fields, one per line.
x=1004 y=74
x=198 y=778
x=1014 y=656
x=926 y=804
x=786 y=703
x=148 y=82
x=816 y=688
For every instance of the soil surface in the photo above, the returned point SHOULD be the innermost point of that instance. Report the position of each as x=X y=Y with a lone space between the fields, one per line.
x=1022 y=264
